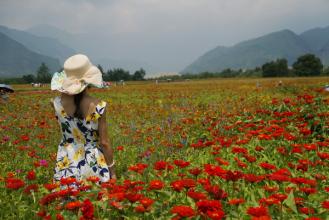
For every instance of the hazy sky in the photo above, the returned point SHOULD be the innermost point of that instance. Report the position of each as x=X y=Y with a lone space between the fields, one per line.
x=168 y=34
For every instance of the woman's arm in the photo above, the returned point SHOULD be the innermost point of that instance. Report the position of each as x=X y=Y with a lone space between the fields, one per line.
x=105 y=143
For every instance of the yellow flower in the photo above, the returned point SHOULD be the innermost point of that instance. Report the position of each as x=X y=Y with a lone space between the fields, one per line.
x=101 y=160
x=64 y=164
x=78 y=136
x=78 y=154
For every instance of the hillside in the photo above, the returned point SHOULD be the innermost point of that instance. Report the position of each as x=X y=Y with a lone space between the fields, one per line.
x=43 y=45
x=255 y=52
x=17 y=60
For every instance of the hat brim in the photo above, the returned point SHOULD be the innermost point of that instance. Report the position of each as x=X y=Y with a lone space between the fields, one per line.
x=73 y=85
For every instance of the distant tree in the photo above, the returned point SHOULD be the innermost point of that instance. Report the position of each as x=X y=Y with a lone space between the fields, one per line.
x=278 y=67
x=118 y=74
x=139 y=74
x=308 y=65
x=43 y=74
x=29 y=78
x=325 y=71
x=101 y=69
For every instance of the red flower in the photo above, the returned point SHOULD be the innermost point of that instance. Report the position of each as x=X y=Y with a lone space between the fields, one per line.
x=267 y=166
x=156 y=185
x=68 y=181
x=208 y=205
x=50 y=186
x=32 y=187
x=177 y=185
x=120 y=148
x=138 y=168
x=140 y=209
x=93 y=179
x=73 y=205
x=195 y=171
x=59 y=217
x=181 y=163
x=325 y=204
x=25 y=138
x=306 y=210
x=87 y=210
x=31 y=175
x=236 y=201
x=233 y=175
x=146 y=202
x=196 y=195
x=257 y=211
x=162 y=165
x=133 y=197
x=13 y=183
x=216 y=215
x=183 y=211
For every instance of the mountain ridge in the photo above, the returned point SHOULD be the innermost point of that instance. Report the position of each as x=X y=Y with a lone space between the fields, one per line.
x=17 y=60
x=257 y=51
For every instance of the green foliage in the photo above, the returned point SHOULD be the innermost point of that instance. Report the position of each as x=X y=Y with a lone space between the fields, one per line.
x=43 y=74
x=308 y=65
x=278 y=67
x=29 y=78
x=139 y=74
x=117 y=75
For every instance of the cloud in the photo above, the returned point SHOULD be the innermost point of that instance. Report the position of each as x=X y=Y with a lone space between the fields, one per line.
x=169 y=33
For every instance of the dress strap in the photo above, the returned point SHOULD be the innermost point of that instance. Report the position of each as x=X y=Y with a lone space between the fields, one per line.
x=98 y=112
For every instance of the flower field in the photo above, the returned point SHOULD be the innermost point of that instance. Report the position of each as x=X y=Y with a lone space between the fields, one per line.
x=210 y=149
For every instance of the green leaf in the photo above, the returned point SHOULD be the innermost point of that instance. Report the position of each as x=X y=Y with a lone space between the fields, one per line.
x=290 y=202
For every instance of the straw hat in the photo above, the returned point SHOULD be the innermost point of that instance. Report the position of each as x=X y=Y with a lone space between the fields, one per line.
x=78 y=73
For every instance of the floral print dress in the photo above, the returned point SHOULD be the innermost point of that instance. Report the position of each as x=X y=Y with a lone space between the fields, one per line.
x=79 y=154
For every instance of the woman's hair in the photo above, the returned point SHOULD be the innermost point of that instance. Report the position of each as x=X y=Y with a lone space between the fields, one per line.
x=77 y=101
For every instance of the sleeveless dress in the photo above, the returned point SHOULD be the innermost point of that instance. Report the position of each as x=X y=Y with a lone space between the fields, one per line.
x=79 y=154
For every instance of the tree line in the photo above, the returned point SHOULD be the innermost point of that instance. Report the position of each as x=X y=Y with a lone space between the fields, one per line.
x=43 y=75
x=305 y=65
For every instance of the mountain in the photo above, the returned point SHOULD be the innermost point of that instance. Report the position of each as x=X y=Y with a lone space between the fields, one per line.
x=100 y=49
x=17 y=60
x=316 y=38
x=256 y=52
x=43 y=45
x=45 y=30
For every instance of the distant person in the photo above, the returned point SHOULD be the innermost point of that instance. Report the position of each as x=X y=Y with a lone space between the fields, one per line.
x=84 y=150
x=4 y=96
x=4 y=90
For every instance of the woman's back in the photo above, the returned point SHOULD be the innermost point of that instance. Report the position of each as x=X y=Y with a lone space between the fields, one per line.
x=79 y=153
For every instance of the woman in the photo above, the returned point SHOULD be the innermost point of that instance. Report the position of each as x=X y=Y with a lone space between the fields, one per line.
x=84 y=151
